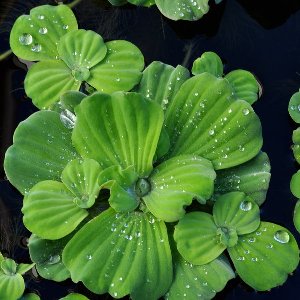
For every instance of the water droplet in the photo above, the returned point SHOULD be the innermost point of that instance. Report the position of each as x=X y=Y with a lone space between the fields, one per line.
x=252 y=240
x=65 y=27
x=36 y=48
x=246 y=206
x=25 y=39
x=246 y=111
x=254 y=259
x=43 y=30
x=211 y=132
x=41 y=17
x=89 y=257
x=68 y=119
x=282 y=236
x=54 y=259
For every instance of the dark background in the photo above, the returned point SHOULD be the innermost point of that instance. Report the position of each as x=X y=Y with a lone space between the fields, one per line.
x=260 y=36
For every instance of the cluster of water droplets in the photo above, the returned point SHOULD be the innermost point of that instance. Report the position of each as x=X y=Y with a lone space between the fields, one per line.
x=192 y=8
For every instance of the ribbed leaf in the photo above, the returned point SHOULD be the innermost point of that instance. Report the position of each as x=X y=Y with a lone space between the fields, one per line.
x=176 y=182
x=235 y=210
x=199 y=282
x=50 y=210
x=295 y=184
x=244 y=84
x=209 y=62
x=131 y=255
x=75 y=296
x=46 y=81
x=296 y=146
x=23 y=268
x=11 y=287
x=122 y=129
x=263 y=259
x=47 y=256
x=35 y=36
x=294 y=107
x=205 y=120
x=163 y=145
x=161 y=82
x=252 y=178
x=197 y=238
x=120 y=70
x=183 y=9
x=41 y=150
x=296 y=218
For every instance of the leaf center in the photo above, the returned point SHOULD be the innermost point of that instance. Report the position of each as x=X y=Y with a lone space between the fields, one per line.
x=81 y=73
x=227 y=236
x=142 y=187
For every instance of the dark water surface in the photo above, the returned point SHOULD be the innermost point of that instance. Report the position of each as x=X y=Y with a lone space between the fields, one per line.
x=260 y=36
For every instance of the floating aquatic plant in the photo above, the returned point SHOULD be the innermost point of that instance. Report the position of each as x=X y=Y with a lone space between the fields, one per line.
x=181 y=158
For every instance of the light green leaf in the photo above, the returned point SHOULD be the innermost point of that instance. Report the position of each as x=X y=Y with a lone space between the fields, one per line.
x=81 y=178
x=121 y=129
x=47 y=256
x=204 y=119
x=42 y=147
x=30 y=296
x=8 y=267
x=11 y=287
x=161 y=82
x=34 y=37
x=70 y=99
x=294 y=107
x=252 y=178
x=176 y=182
x=236 y=211
x=296 y=146
x=130 y=256
x=146 y=3
x=271 y=250
x=120 y=70
x=209 y=62
x=244 y=84
x=199 y=282
x=296 y=218
x=163 y=145
x=183 y=9
x=46 y=81
x=1 y=257
x=23 y=268
x=295 y=184
x=198 y=239
x=75 y=296
x=81 y=50
x=50 y=210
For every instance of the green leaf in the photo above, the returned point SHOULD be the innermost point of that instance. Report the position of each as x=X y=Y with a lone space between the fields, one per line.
x=296 y=218
x=271 y=250
x=205 y=120
x=197 y=238
x=146 y=3
x=11 y=287
x=199 y=282
x=120 y=70
x=46 y=81
x=121 y=129
x=176 y=182
x=236 y=211
x=295 y=184
x=183 y=9
x=23 y=268
x=209 y=62
x=1 y=257
x=30 y=296
x=252 y=178
x=47 y=256
x=163 y=145
x=130 y=256
x=117 y=2
x=41 y=150
x=8 y=267
x=81 y=178
x=296 y=146
x=70 y=99
x=34 y=37
x=244 y=84
x=75 y=296
x=81 y=50
x=50 y=210
x=161 y=82
x=294 y=107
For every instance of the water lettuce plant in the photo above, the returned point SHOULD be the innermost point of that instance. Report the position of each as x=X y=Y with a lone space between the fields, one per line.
x=145 y=189
x=190 y=10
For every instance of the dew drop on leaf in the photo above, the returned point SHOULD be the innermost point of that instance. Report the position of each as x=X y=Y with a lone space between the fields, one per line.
x=54 y=259
x=43 y=30
x=246 y=206
x=246 y=111
x=281 y=236
x=65 y=27
x=68 y=119
x=41 y=17
x=36 y=48
x=26 y=39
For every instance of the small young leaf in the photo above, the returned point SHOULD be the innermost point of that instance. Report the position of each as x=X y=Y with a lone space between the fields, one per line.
x=297 y=216
x=30 y=296
x=117 y=2
x=11 y=287
x=197 y=239
x=264 y=258
x=295 y=184
x=146 y=3
x=74 y=296
x=209 y=62
x=294 y=107
x=23 y=268
x=296 y=146
x=34 y=37
x=70 y=99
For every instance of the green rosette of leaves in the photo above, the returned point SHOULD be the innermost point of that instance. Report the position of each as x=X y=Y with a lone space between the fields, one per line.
x=68 y=57
x=190 y=10
x=12 y=285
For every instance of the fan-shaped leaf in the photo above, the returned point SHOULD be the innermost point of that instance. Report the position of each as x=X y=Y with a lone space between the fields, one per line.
x=75 y=296
x=50 y=210
x=205 y=120
x=244 y=84
x=296 y=146
x=46 y=81
x=263 y=259
x=294 y=107
x=35 y=36
x=161 y=82
x=11 y=287
x=47 y=256
x=122 y=129
x=252 y=178
x=183 y=9
x=120 y=70
x=297 y=216
x=199 y=282
x=131 y=255
x=197 y=238
x=209 y=62
x=176 y=182
x=235 y=210
x=42 y=148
